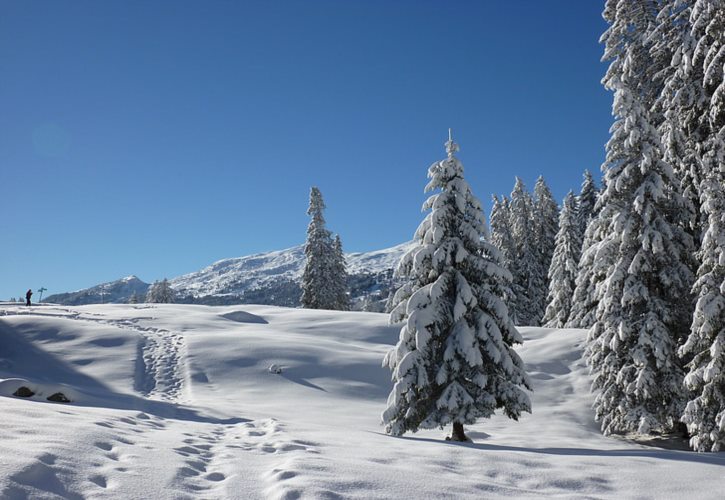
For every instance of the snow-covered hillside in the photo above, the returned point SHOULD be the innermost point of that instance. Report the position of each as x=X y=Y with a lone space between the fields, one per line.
x=237 y=275
x=176 y=401
x=264 y=278
x=113 y=291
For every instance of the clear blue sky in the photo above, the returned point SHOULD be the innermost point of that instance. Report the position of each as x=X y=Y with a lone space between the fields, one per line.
x=155 y=137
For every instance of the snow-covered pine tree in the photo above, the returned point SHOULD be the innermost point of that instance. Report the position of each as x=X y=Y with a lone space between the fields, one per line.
x=631 y=349
x=502 y=239
x=339 y=271
x=563 y=269
x=705 y=412
x=592 y=269
x=681 y=103
x=320 y=283
x=160 y=293
x=524 y=263
x=501 y=235
x=546 y=225
x=133 y=299
x=454 y=362
x=584 y=302
x=585 y=202
x=151 y=291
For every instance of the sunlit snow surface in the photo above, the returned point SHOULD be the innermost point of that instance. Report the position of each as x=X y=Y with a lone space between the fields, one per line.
x=176 y=401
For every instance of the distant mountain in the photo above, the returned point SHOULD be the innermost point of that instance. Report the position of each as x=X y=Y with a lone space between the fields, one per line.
x=265 y=278
x=114 y=291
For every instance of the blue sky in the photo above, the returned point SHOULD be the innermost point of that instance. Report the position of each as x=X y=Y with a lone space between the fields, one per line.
x=155 y=137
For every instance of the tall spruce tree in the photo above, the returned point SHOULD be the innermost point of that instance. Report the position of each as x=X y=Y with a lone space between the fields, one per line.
x=339 y=271
x=631 y=348
x=681 y=102
x=501 y=235
x=705 y=346
x=546 y=226
x=584 y=302
x=593 y=265
x=454 y=362
x=585 y=203
x=705 y=413
x=527 y=279
x=320 y=278
x=564 y=266
x=502 y=238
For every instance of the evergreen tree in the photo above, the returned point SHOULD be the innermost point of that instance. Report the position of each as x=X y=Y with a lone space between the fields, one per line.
x=681 y=103
x=454 y=362
x=524 y=269
x=631 y=348
x=501 y=235
x=324 y=279
x=705 y=346
x=586 y=201
x=563 y=270
x=502 y=238
x=339 y=272
x=546 y=225
x=705 y=413
x=592 y=271
x=584 y=302
x=133 y=299
x=160 y=293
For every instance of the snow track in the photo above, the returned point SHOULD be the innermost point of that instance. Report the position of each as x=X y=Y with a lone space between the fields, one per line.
x=161 y=369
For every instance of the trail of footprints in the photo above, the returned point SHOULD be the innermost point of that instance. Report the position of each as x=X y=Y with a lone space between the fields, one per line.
x=119 y=453
x=160 y=361
x=208 y=456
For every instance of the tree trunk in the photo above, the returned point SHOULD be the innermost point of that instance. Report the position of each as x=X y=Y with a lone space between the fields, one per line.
x=458 y=434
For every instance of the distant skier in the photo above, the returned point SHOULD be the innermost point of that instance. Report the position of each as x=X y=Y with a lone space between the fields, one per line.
x=28 y=294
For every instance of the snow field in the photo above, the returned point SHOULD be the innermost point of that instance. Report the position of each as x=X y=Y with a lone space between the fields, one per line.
x=176 y=401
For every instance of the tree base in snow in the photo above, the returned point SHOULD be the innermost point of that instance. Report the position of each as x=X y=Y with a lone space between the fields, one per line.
x=458 y=434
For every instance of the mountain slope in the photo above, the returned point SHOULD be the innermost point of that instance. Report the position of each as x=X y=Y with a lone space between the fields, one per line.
x=264 y=278
x=113 y=291
x=176 y=401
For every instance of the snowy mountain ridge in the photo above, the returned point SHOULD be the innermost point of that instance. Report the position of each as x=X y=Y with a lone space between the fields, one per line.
x=238 y=274
x=263 y=278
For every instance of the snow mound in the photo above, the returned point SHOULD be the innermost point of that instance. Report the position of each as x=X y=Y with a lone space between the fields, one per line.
x=243 y=317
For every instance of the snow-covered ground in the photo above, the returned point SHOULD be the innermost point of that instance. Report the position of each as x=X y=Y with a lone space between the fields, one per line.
x=175 y=401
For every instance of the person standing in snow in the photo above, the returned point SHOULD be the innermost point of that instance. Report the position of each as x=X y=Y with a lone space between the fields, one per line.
x=28 y=294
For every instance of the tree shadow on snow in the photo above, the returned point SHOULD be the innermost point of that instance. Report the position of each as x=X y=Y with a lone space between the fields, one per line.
x=30 y=362
x=657 y=454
